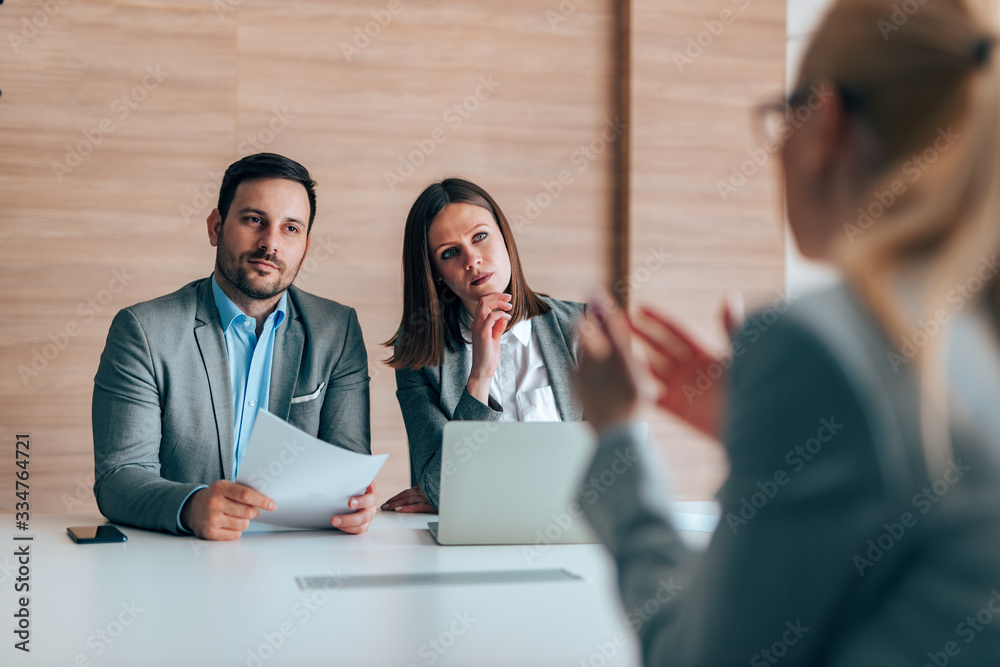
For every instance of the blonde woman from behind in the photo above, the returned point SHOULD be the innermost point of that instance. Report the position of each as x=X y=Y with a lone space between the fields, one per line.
x=861 y=516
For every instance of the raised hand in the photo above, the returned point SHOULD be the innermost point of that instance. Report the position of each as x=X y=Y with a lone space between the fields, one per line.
x=691 y=380
x=606 y=380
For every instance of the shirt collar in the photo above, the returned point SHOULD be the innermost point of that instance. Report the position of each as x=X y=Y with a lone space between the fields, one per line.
x=521 y=331
x=229 y=311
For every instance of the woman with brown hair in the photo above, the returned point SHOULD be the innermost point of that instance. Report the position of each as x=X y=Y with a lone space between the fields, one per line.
x=475 y=342
x=861 y=516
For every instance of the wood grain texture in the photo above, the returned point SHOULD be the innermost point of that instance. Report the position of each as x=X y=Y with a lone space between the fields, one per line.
x=514 y=95
x=697 y=72
x=135 y=102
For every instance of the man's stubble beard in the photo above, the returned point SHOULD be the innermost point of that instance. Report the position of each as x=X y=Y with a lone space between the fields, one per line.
x=235 y=273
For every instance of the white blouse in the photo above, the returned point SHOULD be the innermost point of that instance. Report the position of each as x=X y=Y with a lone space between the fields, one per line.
x=521 y=384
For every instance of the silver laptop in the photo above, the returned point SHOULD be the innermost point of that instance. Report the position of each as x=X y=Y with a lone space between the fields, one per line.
x=513 y=483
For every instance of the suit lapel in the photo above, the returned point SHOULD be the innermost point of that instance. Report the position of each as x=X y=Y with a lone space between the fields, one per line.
x=559 y=362
x=212 y=346
x=286 y=360
x=454 y=376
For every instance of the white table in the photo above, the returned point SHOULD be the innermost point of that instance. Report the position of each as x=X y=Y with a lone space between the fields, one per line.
x=166 y=600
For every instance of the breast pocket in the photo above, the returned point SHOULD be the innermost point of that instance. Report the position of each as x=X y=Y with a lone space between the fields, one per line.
x=538 y=405
x=304 y=411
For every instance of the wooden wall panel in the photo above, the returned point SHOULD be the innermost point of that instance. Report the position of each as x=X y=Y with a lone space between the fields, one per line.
x=273 y=76
x=698 y=70
x=526 y=98
x=106 y=231
x=127 y=223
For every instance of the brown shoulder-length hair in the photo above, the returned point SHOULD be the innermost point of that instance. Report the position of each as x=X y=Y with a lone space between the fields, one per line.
x=430 y=309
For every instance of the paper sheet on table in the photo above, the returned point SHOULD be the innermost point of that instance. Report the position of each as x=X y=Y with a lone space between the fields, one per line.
x=309 y=480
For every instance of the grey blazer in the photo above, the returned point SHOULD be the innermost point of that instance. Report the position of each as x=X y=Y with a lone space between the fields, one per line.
x=163 y=406
x=836 y=547
x=432 y=396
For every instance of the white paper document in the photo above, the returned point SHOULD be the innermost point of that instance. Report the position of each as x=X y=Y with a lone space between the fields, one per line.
x=309 y=480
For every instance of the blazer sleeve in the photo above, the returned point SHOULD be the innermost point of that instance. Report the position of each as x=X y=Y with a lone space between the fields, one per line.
x=345 y=419
x=804 y=495
x=424 y=418
x=126 y=416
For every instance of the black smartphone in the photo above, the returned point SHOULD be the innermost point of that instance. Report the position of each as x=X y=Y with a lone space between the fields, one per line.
x=95 y=534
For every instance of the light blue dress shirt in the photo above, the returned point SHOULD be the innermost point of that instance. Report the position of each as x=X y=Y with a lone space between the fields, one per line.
x=249 y=364
x=250 y=360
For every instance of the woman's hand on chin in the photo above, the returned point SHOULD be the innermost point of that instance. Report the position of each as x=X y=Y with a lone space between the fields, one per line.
x=488 y=324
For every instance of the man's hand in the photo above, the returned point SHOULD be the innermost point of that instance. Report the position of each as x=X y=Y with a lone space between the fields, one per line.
x=223 y=510
x=411 y=500
x=358 y=521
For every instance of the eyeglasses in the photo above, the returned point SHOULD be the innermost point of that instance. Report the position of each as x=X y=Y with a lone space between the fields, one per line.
x=776 y=121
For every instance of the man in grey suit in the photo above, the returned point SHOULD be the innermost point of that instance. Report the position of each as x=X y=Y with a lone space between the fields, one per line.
x=182 y=376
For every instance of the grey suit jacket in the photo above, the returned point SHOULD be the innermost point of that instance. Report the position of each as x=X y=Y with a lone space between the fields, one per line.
x=836 y=546
x=433 y=396
x=163 y=405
